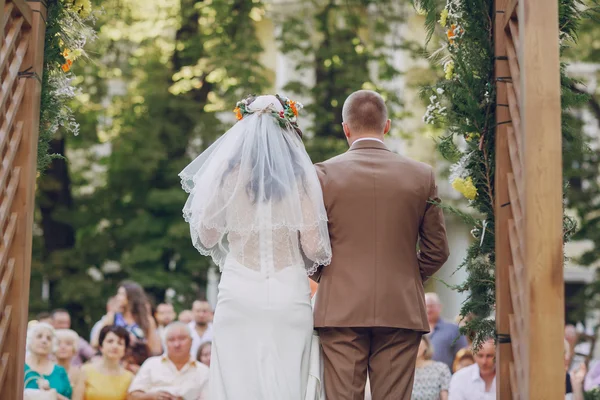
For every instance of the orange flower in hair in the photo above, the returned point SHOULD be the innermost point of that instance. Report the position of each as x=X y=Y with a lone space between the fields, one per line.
x=292 y=105
x=238 y=113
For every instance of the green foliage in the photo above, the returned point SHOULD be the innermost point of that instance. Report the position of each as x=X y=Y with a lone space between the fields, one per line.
x=66 y=28
x=464 y=104
x=349 y=46
x=165 y=71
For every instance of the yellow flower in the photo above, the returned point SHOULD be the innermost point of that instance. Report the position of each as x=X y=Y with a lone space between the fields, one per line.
x=465 y=187
x=444 y=17
x=449 y=70
x=72 y=55
x=472 y=136
x=65 y=53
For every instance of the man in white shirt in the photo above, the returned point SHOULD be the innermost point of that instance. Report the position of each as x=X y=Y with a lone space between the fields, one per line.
x=201 y=326
x=174 y=375
x=477 y=381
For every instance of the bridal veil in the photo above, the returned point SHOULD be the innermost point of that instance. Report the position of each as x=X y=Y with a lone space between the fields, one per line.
x=254 y=194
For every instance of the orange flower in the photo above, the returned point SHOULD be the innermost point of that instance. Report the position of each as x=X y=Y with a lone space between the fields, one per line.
x=238 y=113
x=452 y=33
x=65 y=53
x=292 y=105
x=66 y=67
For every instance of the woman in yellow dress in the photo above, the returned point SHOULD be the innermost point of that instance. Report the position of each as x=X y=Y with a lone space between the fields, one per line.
x=106 y=379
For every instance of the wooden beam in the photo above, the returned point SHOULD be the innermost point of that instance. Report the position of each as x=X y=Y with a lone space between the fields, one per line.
x=23 y=204
x=502 y=213
x=543 y=205
x=510 y=12
x=24 y=9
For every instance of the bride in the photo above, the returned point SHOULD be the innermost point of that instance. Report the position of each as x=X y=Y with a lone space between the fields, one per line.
x=256 y=208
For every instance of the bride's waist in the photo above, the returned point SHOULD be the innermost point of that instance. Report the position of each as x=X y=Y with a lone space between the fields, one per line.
x=262 y=269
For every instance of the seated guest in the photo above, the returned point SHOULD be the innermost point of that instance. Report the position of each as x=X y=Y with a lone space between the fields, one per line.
x=106 y=378
x=40 y=371
x=431 y=377
x=67 y=348
x=173 y=375
x=204 y=353
x=61 y=319
x=135 y=356
x=186 y=316
x=477 y=381
x=463 y=358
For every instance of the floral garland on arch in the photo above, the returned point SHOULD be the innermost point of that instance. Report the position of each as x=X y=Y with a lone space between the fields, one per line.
x=68 y=30
x=463 y=103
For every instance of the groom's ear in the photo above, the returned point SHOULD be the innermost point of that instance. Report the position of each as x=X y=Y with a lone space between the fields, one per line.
x=388 y=125
x=346 y=129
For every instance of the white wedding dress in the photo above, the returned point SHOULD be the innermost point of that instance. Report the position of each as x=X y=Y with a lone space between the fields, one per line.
x=256 y=208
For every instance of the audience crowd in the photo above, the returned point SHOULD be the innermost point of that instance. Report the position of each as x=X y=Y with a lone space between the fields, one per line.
x=137 y=351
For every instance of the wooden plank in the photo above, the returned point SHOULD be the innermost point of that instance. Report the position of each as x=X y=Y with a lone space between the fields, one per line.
x=503 y=214
x=516 y=250
x=12 y=38
x=514 y=387
x=5 y=13
x=8 y=197
x=513 y=28
x=6 y=280
x=516 y=160
x=23 y=204
x=10 y=154
x=25 y=10
x=7 y=238
x=515 y=203
x=12 y=111
x=5 y=324
x=509 y=13
x=3 y=368
x=543 y=206
x=515 y=71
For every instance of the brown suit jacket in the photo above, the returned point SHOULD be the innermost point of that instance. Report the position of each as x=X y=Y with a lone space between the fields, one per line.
x=379 y=210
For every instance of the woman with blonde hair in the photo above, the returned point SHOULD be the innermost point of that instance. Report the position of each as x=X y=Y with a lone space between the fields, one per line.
x=67 y=348
x=464 y=358
x=41 y=373
x=432 y=378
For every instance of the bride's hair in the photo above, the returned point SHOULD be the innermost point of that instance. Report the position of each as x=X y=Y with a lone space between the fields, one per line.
x=274 y=187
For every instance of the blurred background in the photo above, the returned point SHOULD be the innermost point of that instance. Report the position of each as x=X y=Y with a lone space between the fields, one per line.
x=159 y=86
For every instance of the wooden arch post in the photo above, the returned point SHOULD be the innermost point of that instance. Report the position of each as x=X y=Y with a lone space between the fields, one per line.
x=529 y=208
x=21 y=63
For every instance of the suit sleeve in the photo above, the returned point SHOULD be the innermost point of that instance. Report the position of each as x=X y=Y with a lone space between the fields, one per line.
x=433 y=242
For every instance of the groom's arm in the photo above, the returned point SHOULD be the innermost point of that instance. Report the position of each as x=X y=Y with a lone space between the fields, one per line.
x=433 y=243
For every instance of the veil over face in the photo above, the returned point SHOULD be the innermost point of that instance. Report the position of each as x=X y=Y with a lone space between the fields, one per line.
x=255 y=196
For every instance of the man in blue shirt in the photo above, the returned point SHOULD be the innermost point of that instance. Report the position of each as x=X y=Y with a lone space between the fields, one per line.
x=445 y=336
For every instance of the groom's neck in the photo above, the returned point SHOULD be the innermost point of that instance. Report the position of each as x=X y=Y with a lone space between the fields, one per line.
x=353 y=139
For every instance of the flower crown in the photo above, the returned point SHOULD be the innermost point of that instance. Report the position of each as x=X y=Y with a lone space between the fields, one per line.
x=288 y=116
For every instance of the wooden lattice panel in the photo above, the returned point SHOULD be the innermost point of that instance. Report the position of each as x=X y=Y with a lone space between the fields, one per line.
x=528 y=187
x=21 y=58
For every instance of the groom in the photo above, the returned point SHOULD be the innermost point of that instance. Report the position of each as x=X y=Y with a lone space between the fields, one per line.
x=370 y=308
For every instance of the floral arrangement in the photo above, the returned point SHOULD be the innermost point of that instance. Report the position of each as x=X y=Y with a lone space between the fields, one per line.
x=462 y=102
x=289 y=115
x=68 y=30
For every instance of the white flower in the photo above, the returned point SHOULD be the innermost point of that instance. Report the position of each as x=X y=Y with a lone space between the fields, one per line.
x=440 y=91
x=432 y=98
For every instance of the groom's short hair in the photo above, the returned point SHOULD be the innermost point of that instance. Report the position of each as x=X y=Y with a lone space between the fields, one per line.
x=365 y=111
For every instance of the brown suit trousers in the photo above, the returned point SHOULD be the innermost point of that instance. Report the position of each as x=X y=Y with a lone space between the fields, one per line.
x=387 y=238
